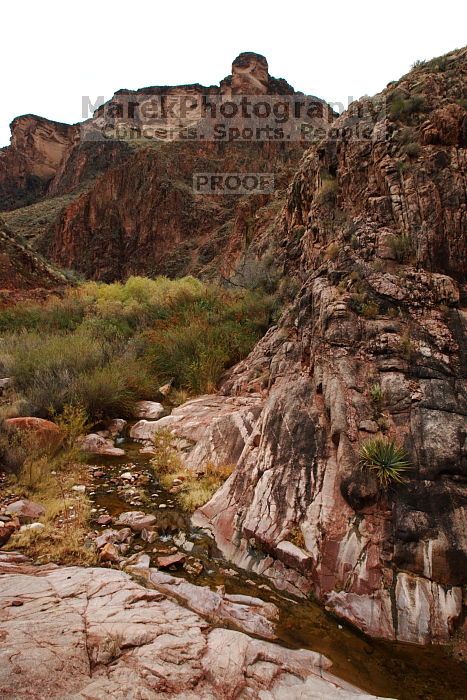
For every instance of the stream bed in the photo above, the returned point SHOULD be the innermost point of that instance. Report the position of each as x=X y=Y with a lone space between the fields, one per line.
x=389 y=669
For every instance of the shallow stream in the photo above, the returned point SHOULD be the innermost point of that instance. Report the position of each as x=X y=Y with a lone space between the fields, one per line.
x=396 y=670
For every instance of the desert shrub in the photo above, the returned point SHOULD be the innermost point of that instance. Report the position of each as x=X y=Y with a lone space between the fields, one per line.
x=404 y=107
x=361 y=304
x=105 y=346
x=113 y=389
x=327 y=193
x=332 y=251
x=386 y=459
x=412 y=149
x=57 y=315
x=376 y=393
x=196 y=354
x=298 y=232
x=370 y=309
x=406 y=345
x=401 y=247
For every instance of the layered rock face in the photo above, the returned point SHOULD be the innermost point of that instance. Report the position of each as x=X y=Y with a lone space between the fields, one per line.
x=117 y=639
x=144 y=216
x=38 y=147
x=373 y=346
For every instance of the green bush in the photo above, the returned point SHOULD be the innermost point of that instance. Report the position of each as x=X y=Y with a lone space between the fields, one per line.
x=105 y=346
x=384 y=457
x=404 y=107
x=401 y=247
x=376 y=393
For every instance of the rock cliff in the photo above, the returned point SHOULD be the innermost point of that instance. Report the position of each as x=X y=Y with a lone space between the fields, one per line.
x=38 y=147
x=132 y=207
x=374 y=345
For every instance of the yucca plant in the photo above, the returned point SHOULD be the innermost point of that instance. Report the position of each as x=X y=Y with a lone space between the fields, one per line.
x=387 y=459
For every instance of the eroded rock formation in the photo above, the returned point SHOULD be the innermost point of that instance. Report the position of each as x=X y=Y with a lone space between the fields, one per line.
x=38 y=146
x=134 y=210
x=378 y=239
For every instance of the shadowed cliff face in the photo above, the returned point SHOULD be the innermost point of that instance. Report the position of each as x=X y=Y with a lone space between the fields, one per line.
x=143 y=217
x=377 y=233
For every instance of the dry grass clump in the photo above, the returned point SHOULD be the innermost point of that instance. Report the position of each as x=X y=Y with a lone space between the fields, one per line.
x=46 y=476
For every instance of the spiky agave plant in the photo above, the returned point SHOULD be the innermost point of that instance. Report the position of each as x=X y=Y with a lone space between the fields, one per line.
x=387 y=459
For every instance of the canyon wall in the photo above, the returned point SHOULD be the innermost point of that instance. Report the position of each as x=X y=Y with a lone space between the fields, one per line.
x=374 y=345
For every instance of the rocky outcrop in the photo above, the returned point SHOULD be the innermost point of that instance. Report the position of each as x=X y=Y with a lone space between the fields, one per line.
x=373 y=345
x=114 y=638
x=38 y=147
x=22 y=269
x=208 y=429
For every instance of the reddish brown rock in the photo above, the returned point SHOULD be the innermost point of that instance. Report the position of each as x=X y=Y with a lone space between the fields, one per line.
x=46 y=433
x=6 y=532
x=25 y=511
x=109 y=553
x=392 y=562
x=171 y=560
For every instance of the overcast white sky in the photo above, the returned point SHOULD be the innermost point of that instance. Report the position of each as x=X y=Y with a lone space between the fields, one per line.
x=52 y=53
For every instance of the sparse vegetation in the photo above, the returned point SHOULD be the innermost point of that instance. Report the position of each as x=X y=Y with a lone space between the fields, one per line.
x=195 y=489
x=412 y=149
x=332 y=251
x=401 y=247
x=296 y=537
x=327 y=193
x=402 y=107
x=386 y=459
x=376 y=394
x=406 y=345
x=45 y=475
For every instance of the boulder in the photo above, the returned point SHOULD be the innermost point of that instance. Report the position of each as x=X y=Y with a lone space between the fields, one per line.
x=116 y=426
x=47 y=434
x=171 y=560
x=136 y=520
x=99 y=445
x=112 y=536
x=6 y=532
x=109 y=553
x=150 y=410
x=25 y=511
x=146 y=430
